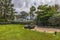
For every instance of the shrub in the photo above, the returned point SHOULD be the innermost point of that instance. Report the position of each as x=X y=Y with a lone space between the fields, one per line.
x=54 y=20
x=2 y=20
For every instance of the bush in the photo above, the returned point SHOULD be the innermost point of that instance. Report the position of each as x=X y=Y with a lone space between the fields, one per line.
x=2 y=20
x=54 y=20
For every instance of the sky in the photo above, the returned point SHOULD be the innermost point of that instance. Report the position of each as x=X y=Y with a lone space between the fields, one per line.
x=24 y=5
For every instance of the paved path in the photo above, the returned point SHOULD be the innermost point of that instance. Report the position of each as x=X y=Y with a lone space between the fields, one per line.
x=47 y=30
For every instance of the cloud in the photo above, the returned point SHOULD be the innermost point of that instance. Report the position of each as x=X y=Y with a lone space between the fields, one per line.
x=25 y=4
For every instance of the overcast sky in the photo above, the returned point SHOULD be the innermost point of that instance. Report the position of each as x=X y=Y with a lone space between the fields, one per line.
x=20 y=5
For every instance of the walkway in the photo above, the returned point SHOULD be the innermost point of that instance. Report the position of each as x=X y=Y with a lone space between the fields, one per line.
x=47 y=30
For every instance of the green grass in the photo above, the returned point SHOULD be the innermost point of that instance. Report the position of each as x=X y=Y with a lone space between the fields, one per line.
x=17 y=32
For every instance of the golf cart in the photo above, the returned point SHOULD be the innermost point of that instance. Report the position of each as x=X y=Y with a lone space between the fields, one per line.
x=31 y=26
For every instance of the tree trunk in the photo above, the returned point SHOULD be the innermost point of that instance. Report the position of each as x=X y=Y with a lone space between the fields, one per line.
x=5 y=16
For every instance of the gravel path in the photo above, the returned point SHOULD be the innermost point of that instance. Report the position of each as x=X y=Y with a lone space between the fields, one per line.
x=47 y=30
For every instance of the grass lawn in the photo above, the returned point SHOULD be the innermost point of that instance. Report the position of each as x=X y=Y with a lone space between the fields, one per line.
x=17 y=32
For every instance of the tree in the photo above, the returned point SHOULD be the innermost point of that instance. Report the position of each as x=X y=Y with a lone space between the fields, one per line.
x=6 y=8
x=54 y=20
x=23 y=14
x=32 y=9
x=44 y=13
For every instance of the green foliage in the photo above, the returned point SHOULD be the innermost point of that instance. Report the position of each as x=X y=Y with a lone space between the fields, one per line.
x=2 y=20
x=54 y=20
x=31 y=13
x=6 y=8
x=23 y=14
x=32 y=8
x=44 y=12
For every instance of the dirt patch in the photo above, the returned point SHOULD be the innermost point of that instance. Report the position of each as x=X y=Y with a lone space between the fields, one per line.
x=47 y=30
